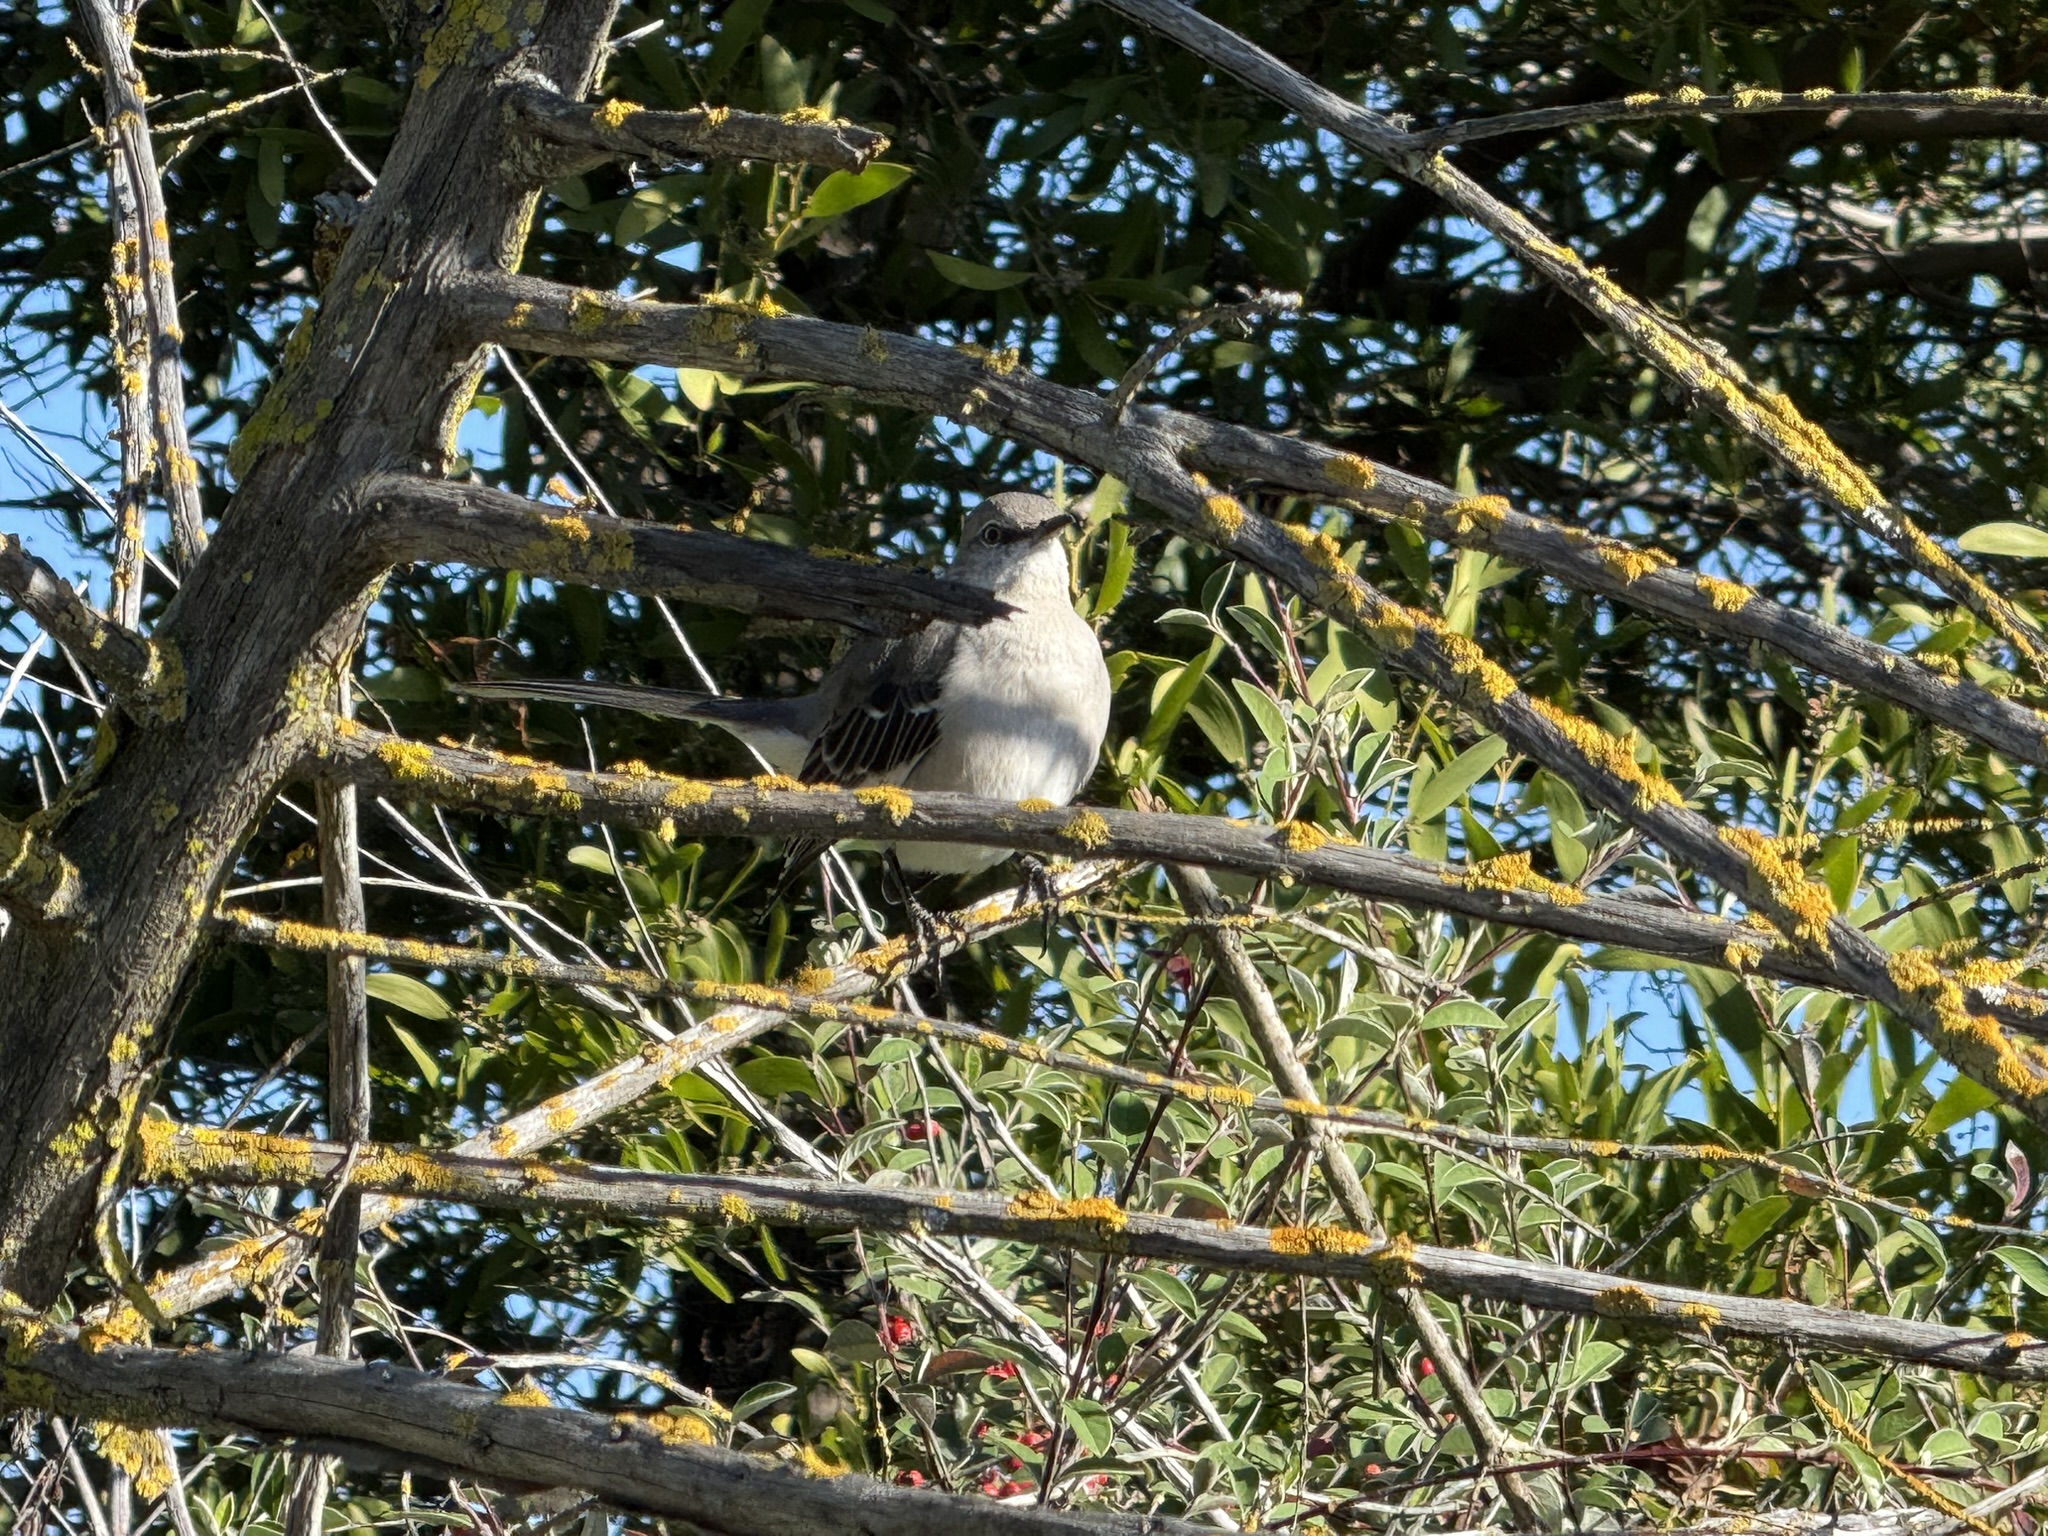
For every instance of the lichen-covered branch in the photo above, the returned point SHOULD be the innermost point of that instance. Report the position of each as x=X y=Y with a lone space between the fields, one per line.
x=996 y=395
x=1968 y=113
x=1505 y=890
x=555 y=136
x=397 y=1417
x=1765 y=416
x=418 y=519
x=731 y=1024
x=143 y=269
x=142 y=674
x=186 y=1155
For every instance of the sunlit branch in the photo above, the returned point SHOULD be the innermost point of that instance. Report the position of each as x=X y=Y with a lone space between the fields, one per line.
x=1764 y=416
x=417 y=519
x=562 y=137
x=137 y=670
x=392 y=1417
x=995 y=394
x=185 y=1155
x=1962 y=114
x=1211 y=1093
x=242 y=1264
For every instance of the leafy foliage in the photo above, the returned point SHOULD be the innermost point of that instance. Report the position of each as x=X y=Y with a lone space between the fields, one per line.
x=1063 y=186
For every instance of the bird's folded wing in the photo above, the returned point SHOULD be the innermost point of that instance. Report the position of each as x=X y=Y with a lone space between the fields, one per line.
x=884 y=715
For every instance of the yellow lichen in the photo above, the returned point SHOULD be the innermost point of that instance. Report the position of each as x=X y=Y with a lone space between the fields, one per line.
x=525 y=1395
x=613 y=114
x=1628 y=562
x=1087 y=829
x=1725 y=596
x=812 y=978
x=1688 y=95
x=587 y=310
x=1393 y=1265
x=1776 y=878
x=1742 y=957
x=684 y=793
x=1625 y=1301
x=1485 y=513
x=1302 y=836
x=1300 y=1242
x=732 y=1208
x=1750 y=96
x=892 y=799
x=139 y=1453
x=1104 y=1215
x=1036 y=803
x=1640 y=99
x=1222 y=518
x=1349 y=471
x=1610 y=753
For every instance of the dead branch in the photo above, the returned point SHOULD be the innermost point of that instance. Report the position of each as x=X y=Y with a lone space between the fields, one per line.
x=187 y=1155
x=417 y=519
x=562 y=137
x=138 y=670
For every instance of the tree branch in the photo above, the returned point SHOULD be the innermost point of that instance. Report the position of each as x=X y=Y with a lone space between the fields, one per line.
x=141 y=673
x=1502 y=891
x=1764 y=416
x=995 y=395
x=127 y=132
x=238 y=1265
x=1970 y=113
x=634 y=1461
x=562 y=137
x=186 y=1155
x=418 y=519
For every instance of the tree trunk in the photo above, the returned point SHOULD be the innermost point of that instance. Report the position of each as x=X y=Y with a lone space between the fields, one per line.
x=263 y=628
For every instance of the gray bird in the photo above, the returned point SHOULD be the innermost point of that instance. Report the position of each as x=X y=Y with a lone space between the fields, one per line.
x=1014 y=709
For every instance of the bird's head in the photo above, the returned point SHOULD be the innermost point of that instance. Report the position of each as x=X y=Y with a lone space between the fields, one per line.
x=1011 y=546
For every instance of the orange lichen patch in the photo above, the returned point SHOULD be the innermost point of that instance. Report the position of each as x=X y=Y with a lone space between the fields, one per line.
x=673 y=1428
x=682 y=794
x=1611 y=753
x=139 y=1453
x=1303 y=1241
x=812 y=978
x=1816 y=455
x=1484 y=513
x=569 y=526
x=808 y=1460
x=1473 y=665
x=883 y=958
x=1776 y=877
x=1087 y=829
x=1704 y=1314
x=1725 y=596
x=1507 y=872
x=1628 y=562
x=778 y=781
x=1105 y=1216
x=1625 y=1301
x=1222 y=518
x=1036 y=803
x=1393 y=1264
x=1349 y=471
x=525 y=1395
x=613 y=114
x=1742 y=957
x=894 y=801
x=1981 y=1046
x=1002 y=362
x=1983 y=971
x=1301 y=836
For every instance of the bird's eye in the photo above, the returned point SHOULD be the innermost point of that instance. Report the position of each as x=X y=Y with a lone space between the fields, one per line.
x=992 y=534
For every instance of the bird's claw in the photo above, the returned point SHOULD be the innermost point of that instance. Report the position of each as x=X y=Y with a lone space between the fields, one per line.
x=1045 y=892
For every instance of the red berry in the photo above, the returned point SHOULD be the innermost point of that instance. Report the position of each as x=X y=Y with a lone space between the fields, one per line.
x=1428 y=1367
x=922 y=1130
x=897 y=1331
x=1033 y=1438
x=1014 y=1463
x=980 y=1430
x=1002 y=1370
x=1372 y=1469
x=1095 y=1486
x=1012 y=1488
x=910 y=1479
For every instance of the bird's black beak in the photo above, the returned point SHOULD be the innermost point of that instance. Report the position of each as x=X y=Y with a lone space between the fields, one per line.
x=1053 y=526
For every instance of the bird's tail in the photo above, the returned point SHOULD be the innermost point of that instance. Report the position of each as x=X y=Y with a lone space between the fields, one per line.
x=669 y=703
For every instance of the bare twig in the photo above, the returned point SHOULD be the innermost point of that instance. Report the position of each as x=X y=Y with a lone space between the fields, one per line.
x=138 y=670
x=564 y=137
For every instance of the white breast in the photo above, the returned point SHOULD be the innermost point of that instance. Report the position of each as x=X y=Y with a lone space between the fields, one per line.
x=1021 y=717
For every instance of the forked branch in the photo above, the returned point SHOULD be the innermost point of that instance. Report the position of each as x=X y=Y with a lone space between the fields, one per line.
x=562 y=137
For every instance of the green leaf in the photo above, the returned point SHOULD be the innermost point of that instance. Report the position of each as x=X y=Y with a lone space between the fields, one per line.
x=698 y=386
x=1455 y=777
x=843 y=191
x=773 y=1076
x=1749 y=1224
x=2022 y=541
x=972 y=274
x=1172 y=703
x=1090 y=1423
x=409 y=993
x=1117 y=563
x=2027 y=1266
x=430 y=1069
x=1961 y=1099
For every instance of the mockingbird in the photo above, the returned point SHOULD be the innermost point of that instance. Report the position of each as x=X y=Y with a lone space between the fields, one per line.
x=1014 y=709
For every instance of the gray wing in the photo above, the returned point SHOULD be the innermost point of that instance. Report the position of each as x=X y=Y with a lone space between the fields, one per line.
x=881 y=708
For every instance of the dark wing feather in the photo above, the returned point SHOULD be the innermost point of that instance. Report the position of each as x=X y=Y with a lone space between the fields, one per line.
x=881 y=723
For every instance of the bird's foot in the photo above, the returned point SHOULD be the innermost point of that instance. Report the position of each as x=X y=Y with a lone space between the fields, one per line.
x=928 y=930
x=1040 y=881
